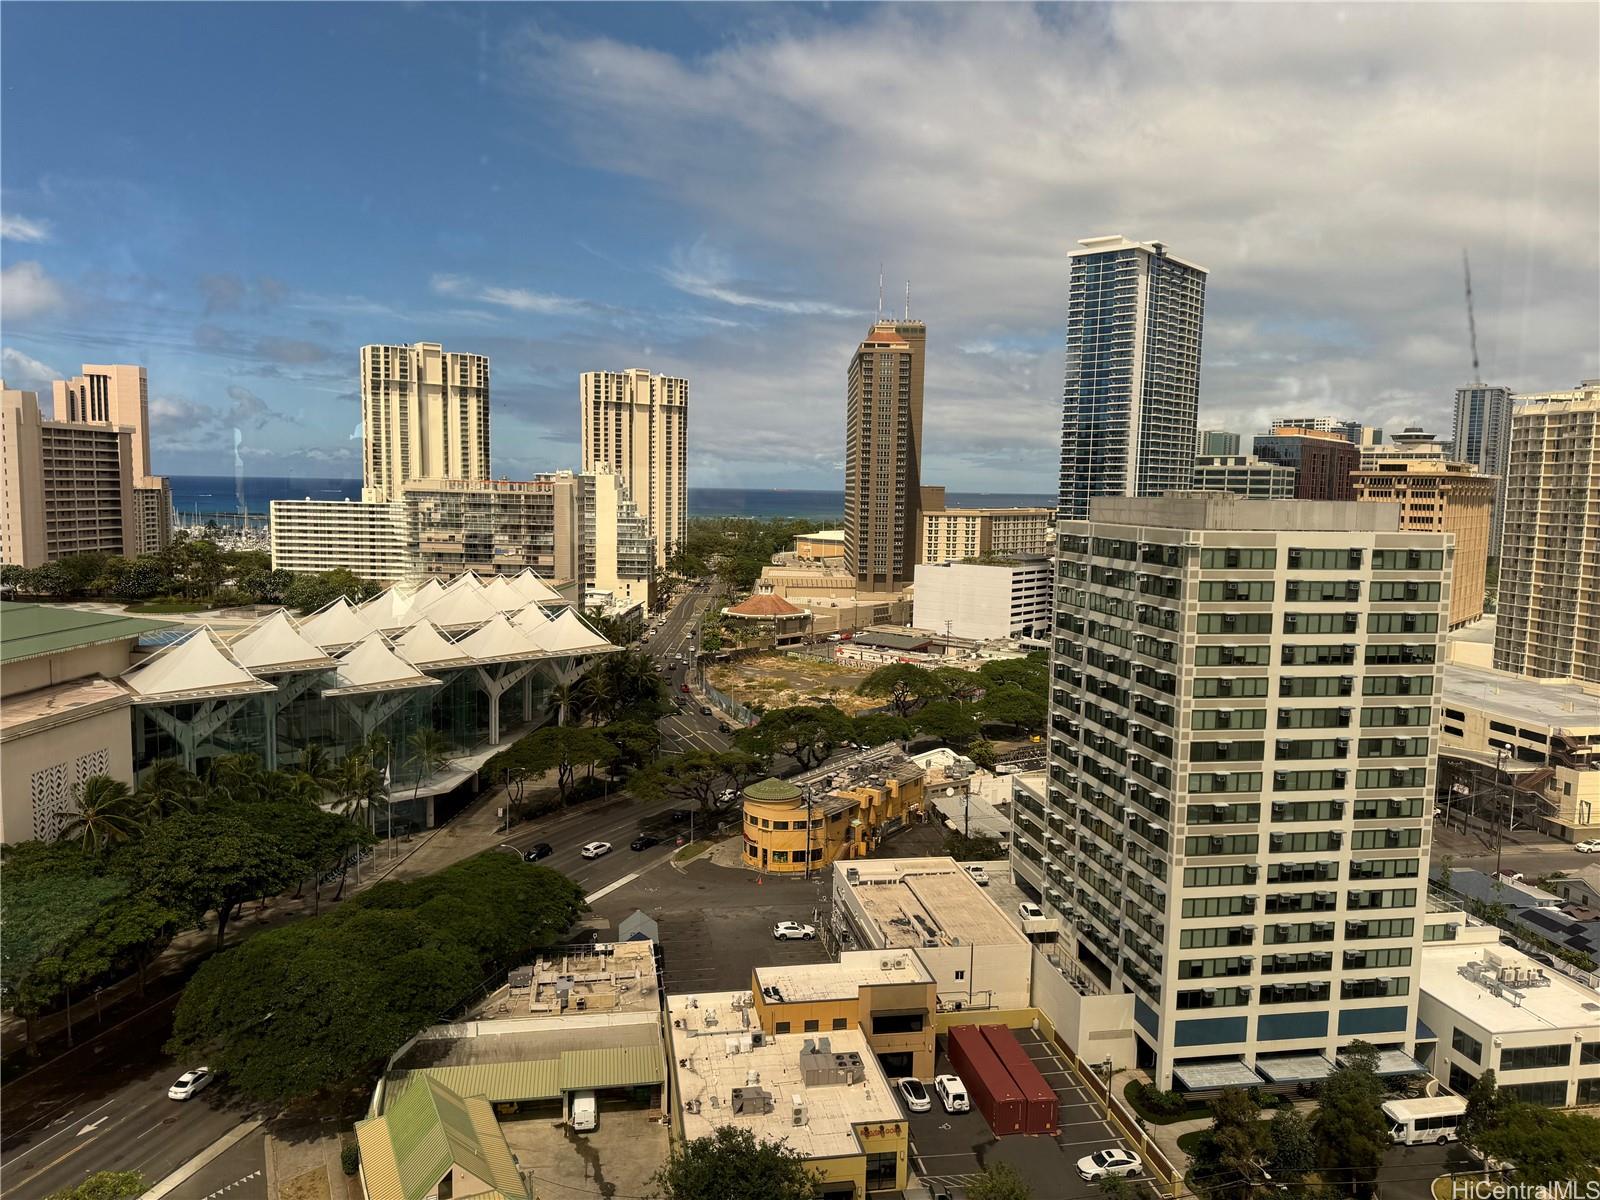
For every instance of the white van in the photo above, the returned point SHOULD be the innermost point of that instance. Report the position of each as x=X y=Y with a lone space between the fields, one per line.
x=585 y=1116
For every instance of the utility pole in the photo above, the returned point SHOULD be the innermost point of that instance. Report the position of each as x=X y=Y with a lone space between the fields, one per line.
x=1499 y=826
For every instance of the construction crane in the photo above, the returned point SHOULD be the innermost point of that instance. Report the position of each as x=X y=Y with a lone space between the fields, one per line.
x=1472 y=324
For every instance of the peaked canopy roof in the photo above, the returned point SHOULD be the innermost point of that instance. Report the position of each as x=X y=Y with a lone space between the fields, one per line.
x=567 y=632
x=336 y=625
x=764 y=604
x=372 y=666
x=535 y=589
x=394 y=608
x=198 y=667
x=462 y=605
x=530 y=618
x=424 y=645
x=273 y=645
x=504 y=595
x=427 y=1131
x=501 y=641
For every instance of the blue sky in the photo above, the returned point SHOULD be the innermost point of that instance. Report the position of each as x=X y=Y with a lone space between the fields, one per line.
x=240 y=196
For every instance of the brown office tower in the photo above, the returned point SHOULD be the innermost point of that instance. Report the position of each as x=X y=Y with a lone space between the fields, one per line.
x=883 y=456
x=1322 y=461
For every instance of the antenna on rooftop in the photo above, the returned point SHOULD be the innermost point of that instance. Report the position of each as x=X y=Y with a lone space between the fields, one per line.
x=1472 y=324
x=908 y=299
x=880 y=291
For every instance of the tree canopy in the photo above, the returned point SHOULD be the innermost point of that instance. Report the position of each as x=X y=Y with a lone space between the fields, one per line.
x=1350 y=1130
x=904 y=685
x=104 y=1185
x=806 y=733
x=698 y=775
x=325 y=1001
x=733 y=1164
x=999 y=1181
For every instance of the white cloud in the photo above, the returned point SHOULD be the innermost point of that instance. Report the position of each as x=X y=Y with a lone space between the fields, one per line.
x=21 y=370
x=17 y=228
x=519 y=299
x=26 y=291
x=1327 y=163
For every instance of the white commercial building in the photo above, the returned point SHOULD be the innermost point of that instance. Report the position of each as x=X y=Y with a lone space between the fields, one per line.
x=425 y=415
x=367 y=537
x=983 y=601
x=637 y=424
x=1243 y=733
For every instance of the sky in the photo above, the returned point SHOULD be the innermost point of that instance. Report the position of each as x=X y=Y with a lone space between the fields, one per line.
x=239 y=196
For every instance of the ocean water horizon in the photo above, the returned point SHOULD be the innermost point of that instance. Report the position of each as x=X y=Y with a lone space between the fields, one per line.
x=197 y=497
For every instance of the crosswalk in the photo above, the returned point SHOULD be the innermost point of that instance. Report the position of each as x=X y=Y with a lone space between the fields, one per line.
x=237 y=1183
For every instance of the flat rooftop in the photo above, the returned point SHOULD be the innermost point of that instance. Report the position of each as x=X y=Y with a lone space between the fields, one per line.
x=1482 y=984
x=609 y=977
x=714 y=1042
x=1223 y=511
x=1563 y=704
x=842 y=980
x=912 y=900
x=46 y=706
x=35 y=630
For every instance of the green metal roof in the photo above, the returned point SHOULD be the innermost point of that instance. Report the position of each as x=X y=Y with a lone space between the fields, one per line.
x=33 y=630
x=539 y=1078
x=772 y=790
x=429 y=1129
x=612 y=1067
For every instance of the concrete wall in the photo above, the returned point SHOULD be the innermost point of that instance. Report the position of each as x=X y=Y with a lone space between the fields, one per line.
x=1093 y=1027
x=40 y=772
x=108 y=660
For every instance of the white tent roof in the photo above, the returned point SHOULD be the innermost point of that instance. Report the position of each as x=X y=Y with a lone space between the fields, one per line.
x=462 y=605
x=371 y=666
x=501 y=593
x=273 y=644
x=500 y=641
x=395 y=608
x=424 y=645
x=568 y=632
x=534 y=588
x=530 y=618
x=336 y=625
x=197 y=668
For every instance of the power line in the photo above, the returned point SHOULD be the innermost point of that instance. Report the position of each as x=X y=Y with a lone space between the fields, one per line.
x=1472 y=324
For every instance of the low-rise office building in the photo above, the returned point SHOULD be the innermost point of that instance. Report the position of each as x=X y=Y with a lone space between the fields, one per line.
x=984 y=601
x=821 y=546
x=889 y=997
x=312 y=536
x=1521 y=750
x=806 y=824
x=931 y=907
x=1322 y=460
x=954 y=534
x=824 y=1094
x=1243 y=475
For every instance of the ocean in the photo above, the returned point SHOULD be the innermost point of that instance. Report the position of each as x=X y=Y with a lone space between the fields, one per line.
x=217 y=496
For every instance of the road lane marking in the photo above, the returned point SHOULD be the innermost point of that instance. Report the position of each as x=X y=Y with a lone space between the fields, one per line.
x=205 y=1157
x=86 y=1115
x=611 y=887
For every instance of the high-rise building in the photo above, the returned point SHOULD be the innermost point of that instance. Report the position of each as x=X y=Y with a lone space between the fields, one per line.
x=957 y=533
x=1447 y=497
x=66 y=487
x=425 y=415
x=1482 y=437
x=1244 y=475
x=1322 y=460
x=637 y=424
x=364 y=536
x=1242 y=754
x=1132 y=390
x=1212 y=443
x=1548 y=611
x=118 y=395
x=883 y=456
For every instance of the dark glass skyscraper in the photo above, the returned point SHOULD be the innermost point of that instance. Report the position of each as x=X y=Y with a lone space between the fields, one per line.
x=1132 y=391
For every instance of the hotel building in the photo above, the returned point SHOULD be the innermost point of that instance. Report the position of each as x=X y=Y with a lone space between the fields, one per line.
x=883 y=456
x=1244 y=475
x=425 y=414
x=953 y=534
x=637 y=425
x=1481 y=436
x=1242 y=737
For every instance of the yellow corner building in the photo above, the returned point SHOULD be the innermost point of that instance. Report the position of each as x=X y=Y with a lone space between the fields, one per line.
x=784 y=832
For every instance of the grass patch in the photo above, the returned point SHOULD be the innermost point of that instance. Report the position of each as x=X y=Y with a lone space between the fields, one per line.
x=1191 y=1142
x=169 y=605
x=692 y=850
x=1133 y=1093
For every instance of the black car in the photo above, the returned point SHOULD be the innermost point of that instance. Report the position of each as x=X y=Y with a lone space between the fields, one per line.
x=644 y=841
x=705 y=710
x=724 y=727
x=539 y=850
x=679 y=815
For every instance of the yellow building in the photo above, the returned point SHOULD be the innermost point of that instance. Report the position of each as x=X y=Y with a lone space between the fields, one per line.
x=1446 y=497
x=888 y=995
x=819 y=546
x=784 y=831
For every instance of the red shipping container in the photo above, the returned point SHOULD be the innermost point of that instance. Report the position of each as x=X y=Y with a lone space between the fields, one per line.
x=988 y=1082
x=1043 y=1114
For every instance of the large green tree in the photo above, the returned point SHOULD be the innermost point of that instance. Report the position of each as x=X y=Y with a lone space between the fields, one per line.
x=946 y=722
x=564 y=749
x=1483 y=1113
x=999 y=1181
x=105 y=816
x=697 y=776
x=1350 y=1129
x=1013 y=705
x=104 y=1185
x=1231 y=1161
x=806 y=733
x=903 y=685
x=1293 y=1152
x=1544 y=1146
x=733 y=1164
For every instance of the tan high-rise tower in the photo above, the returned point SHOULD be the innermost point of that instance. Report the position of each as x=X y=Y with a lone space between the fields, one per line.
x=425 y=415
x=637 y=424
x=118 y=396
x=883 y=456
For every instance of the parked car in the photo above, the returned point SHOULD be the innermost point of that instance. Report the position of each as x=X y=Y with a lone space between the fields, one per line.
x=724 y=727
x=679 y=815
x=585 y=1114
x=189 y=1083
x=1109 y=1162
x=788 y=931
x=705 y=710
x=595 y=849
x=952 y=1093
x=1590 y=847
x=1029 y=911
x=539 y=850
x=644 y=841
x=684 y=688
x=914 y=1094
x=979 y=875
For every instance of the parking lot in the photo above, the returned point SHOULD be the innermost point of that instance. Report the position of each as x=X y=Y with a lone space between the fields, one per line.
x=947 y=1149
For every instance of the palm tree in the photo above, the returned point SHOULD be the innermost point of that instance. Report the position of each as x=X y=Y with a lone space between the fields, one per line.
x=563 y=699
x=166 y=787
x=429 y=752
x=105 y=815
x=357 y=786
x=597 y=692
x=239 y=777
x=317 y=769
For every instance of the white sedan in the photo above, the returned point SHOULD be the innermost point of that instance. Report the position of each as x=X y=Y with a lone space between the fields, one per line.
x=1590 y=847
x=914 y=1094
x=189 y=1083
x=595 y=849
x=786 y=931
x=1109 y=1162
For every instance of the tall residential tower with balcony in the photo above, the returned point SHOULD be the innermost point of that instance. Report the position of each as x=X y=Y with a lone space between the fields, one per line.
x=425 y=415
x=637 y=425
x=883 y=498
x=1132 y=390
x=1243 y=726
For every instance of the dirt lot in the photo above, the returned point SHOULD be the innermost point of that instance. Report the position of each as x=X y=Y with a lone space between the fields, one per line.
x=778 y=681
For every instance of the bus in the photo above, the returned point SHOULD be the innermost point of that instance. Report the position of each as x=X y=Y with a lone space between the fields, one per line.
x=1429 y=1119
